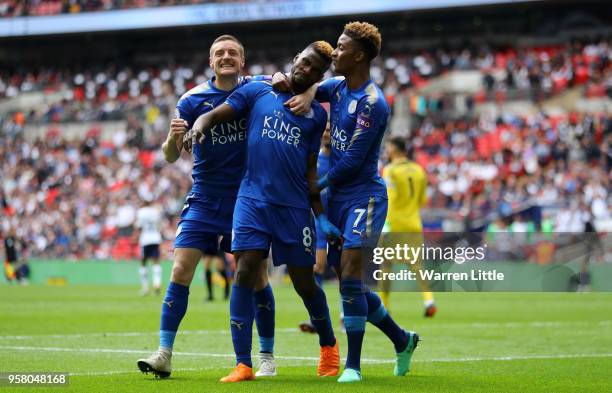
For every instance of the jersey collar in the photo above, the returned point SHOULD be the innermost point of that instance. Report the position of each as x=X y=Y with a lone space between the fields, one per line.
x=211 y=84
x=360 y=88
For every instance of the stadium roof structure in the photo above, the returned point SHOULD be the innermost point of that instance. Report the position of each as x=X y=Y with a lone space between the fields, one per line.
x=211 y=14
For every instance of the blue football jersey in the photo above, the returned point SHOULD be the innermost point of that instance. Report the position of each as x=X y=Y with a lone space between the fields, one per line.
x=322 y=169
x=279 y=144
x=219 y=161
x=358 y=122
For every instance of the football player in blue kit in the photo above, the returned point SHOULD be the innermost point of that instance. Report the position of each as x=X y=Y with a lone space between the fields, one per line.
x=358 y=195
x=206 y=218
x=321 y=249
x=276 y=200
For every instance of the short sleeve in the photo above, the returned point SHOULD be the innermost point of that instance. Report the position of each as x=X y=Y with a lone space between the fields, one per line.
x=184 y=111
x=243 y=98
x=326 y=89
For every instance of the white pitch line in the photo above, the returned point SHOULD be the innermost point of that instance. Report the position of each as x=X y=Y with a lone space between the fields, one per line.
x=485 y=325
x=94 y=373
x=130 y=334
x=314 y=359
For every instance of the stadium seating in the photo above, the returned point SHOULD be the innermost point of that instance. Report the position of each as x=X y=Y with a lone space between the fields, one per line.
x=479 y=165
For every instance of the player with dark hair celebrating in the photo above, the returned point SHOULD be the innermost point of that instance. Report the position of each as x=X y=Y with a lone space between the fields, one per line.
x=275 y=199
x=358 y=196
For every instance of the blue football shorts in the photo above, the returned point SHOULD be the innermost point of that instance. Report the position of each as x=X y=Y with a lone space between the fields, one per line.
x=288 y=230
x=206 y=224
x=360 y=220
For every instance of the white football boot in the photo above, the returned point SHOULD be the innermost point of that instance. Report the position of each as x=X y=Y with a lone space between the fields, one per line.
x=267 y=365
x=158 y=363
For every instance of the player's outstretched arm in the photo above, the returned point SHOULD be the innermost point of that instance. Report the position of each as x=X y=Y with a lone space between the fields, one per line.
x=300 y=104
x=173 y=144
x=205 y=122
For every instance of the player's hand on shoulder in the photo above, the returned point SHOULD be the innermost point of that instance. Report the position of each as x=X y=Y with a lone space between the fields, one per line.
x=280 y=82
x=299 y=105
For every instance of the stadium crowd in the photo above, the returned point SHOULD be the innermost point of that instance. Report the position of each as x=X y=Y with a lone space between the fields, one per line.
x=111 y=93
x=74 y=199
x=13 y=8
x=482 y=166
x=78 y=198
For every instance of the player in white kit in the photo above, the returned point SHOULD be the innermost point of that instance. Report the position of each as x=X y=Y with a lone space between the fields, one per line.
x=148 y=220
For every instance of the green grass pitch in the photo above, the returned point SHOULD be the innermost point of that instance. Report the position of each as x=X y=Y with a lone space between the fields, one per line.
x=493 y=342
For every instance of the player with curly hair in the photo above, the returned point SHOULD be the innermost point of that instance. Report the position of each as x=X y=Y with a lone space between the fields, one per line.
x=358 y=195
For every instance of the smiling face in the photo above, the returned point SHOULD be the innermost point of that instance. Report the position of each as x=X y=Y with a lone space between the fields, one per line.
x=308 y=68
x=346 y=54
x=226 y=58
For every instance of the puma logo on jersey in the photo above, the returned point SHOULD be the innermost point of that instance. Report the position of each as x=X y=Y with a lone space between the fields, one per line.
x=274 y=94
x=206 y=103
x=237 y=324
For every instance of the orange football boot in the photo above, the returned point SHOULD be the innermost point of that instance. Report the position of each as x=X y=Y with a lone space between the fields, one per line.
x=242 y=372
x=329 y=361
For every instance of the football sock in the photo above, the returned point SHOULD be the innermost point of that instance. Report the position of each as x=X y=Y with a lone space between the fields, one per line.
x=208 y=276
x=428 y=298
x=144 y=279
x=319 y=317
x=355 y=316
x=263 y=303
x=241 y=323
x=174 y=307
x=378 y=316
x=384 y=296
x=157 y=275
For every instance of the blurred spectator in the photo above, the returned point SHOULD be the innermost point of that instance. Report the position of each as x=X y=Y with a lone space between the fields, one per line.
x=76 y=199
x=478 y=167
